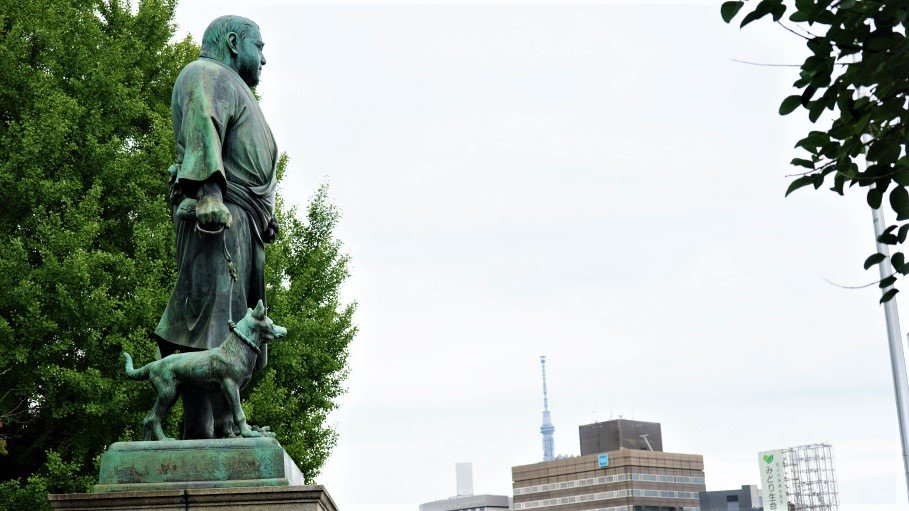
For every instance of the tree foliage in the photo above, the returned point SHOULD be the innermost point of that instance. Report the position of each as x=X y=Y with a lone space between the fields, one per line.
x=858 y=71
x=304 y=376
x=87 y=262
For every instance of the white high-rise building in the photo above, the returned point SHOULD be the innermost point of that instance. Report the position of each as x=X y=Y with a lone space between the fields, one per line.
x=465 y=500
x=464 y=475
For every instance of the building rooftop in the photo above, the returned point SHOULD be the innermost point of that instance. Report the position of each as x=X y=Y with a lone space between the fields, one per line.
x=467 y=502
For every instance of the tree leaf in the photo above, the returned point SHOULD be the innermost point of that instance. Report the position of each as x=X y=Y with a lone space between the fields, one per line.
x=729 y=9
x=799 y=17
x=901 y=234
x=778 y=11
x=814 y=140
x=874 y=198
x=798 y=183
x=801 y=162
x=888 y=239
x=839 y=181
x=901 y=177
x=899 y=201
x=759 y=12
x=884 y=150
x=874 y=259
x=887 y=282
x=789 y=104
x=815 y=110
x=898 y=260
x=889 y=295
x=818 y=179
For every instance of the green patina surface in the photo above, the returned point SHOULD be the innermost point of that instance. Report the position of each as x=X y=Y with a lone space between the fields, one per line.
x=222 y=189
x=219 y=463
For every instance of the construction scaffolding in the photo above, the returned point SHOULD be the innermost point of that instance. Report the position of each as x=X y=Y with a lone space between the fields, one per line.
x=810 y=479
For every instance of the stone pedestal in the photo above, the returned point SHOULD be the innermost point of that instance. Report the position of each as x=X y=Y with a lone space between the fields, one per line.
x=253 y=474
x=275 y=498
x=221 y=463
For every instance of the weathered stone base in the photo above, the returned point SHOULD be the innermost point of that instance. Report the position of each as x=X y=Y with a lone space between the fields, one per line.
x=275 y=498
x=179 y=464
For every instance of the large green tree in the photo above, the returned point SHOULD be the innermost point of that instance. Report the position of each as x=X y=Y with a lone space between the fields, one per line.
x=857 y=71
x=87 y=258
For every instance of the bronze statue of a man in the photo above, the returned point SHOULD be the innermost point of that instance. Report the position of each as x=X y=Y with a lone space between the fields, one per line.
x=223 y=196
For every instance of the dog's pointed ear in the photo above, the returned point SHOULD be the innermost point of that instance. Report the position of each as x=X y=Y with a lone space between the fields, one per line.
x=259 y=311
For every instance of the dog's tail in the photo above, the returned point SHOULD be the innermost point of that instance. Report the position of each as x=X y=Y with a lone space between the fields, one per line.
x=135 y=374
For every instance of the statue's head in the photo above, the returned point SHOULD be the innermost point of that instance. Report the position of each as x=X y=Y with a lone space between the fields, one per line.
x=236 y=42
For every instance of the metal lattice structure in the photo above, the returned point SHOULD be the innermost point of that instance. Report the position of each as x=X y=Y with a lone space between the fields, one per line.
x=547 y=429
x=810 y=479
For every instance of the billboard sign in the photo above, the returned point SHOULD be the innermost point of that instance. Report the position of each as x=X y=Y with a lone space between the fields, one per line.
x=603 y=460
x=773 y=481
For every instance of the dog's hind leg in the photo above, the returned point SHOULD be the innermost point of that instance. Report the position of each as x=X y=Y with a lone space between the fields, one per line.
x=223 y=414
x=151 y=426
x=232 y=394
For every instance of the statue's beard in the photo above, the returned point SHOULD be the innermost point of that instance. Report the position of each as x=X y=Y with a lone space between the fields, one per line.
x=249 y=70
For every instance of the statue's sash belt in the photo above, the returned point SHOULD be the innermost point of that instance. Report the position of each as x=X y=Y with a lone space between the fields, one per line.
x=252 y=204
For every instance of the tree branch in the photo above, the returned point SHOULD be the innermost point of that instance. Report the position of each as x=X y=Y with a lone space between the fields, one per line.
x=765 y=65
x=780 y=23
x=876 y=282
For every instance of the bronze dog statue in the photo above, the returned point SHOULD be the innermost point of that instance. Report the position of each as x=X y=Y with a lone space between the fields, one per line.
x=228 y=368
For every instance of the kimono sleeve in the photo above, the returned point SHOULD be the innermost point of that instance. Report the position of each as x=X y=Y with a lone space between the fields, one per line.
x=202 y=109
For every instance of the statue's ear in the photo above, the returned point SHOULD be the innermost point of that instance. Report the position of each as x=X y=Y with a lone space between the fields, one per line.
x=233 y=43
x=259 y=311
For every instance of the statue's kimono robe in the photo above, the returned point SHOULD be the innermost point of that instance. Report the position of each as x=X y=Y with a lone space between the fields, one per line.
x=221 y=133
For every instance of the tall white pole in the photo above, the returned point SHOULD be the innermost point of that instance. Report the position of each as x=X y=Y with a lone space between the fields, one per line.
x=897 y=358
x=892 y=319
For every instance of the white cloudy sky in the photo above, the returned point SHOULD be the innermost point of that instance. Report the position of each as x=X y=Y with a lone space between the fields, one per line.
x=597 y=182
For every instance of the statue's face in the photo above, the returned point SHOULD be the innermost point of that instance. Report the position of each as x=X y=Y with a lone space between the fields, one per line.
x=249 y=56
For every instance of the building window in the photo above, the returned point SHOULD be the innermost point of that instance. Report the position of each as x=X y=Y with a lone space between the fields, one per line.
x=732 y=503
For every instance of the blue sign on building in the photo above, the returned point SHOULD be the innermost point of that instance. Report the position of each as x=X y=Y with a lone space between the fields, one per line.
x=603 y=459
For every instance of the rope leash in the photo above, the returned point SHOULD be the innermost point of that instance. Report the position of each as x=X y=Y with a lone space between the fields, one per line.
x=231 y=270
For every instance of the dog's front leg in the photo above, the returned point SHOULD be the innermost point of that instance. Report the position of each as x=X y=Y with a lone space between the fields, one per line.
x=232 y=394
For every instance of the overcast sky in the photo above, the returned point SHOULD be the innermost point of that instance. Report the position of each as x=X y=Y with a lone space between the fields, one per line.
x=599 y=183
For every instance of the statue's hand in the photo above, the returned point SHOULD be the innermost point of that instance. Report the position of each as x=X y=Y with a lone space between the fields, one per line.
x=271 y=232
x=211 y=213
x=186 y=211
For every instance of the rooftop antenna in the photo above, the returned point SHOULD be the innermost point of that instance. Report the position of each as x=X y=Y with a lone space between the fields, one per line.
x=547 y=429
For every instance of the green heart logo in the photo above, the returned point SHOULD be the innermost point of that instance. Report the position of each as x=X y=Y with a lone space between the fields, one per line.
x=768 y=458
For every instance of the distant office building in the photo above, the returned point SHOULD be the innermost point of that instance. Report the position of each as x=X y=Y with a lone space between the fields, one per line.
x=747 y=498
x=464 y=477
x=618 y=480
x=620 y=434
x=465 y=499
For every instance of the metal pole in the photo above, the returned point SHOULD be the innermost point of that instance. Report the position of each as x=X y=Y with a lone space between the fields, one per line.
x=897 y=359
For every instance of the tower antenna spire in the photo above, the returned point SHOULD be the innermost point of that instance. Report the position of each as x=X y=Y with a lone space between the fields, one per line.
x=547 y=429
